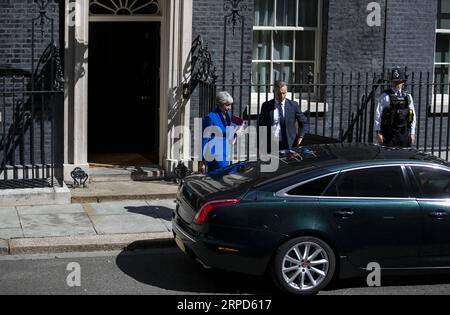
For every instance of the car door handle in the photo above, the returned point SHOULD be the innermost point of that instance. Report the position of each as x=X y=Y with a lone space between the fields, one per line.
x=439 y=214
x=344 y=214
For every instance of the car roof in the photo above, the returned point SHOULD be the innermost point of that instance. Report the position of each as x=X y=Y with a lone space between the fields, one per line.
x=349 y=155
x=322 y=158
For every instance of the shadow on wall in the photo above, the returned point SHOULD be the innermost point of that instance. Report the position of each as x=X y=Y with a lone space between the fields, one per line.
x=198 y=67
x=30 y=107
x=194 y=68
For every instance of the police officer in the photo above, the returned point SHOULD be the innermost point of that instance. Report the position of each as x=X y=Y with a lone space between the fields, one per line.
x=395 y=121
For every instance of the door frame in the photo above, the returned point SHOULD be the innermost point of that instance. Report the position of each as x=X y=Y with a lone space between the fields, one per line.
x=176 y=40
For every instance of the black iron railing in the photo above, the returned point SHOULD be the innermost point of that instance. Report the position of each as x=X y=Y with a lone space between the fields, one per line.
x=343 y=106
x=27 y=134
x=30 y=102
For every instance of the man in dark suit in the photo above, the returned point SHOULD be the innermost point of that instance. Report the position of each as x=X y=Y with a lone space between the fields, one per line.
x=279 y=116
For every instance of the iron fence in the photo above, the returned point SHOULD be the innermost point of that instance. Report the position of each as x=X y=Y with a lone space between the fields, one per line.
x=30 y=101
x=27 y=133
x=344 y=106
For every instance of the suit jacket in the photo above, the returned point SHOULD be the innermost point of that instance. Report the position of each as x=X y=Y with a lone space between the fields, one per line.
x=292 y=114
x=217 y=141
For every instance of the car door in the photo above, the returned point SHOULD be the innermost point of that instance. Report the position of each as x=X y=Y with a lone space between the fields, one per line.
x=434 y=201
x=375 y=216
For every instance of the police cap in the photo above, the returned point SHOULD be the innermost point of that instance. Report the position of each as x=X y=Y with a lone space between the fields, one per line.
x=398 y=75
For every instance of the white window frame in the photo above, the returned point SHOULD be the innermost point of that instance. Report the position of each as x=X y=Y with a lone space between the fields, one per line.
x=440 y=108
x=294 y=29
x=318 y=107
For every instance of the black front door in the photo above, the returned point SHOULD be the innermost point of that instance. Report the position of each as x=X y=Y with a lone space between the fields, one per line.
x=124 y=60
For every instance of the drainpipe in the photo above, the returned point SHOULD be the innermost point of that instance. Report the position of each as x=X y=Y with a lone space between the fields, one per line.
x=385 y=36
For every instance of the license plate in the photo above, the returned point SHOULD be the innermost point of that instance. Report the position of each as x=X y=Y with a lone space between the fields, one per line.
x=180 y=244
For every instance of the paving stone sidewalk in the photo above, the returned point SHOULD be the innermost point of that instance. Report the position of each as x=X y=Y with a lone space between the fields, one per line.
x=82 y=225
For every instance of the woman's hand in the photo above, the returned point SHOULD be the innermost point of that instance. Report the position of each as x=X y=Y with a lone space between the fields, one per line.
x=202 y=167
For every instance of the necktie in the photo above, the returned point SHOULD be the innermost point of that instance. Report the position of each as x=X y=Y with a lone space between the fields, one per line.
x=280 y=112
x=282 y=121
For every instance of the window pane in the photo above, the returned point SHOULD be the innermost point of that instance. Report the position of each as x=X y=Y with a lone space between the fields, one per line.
x=284 y=43
x=434 y=184
x=286 y=12
x=383 y=182
x=264 y=13
x=301 y=72
x=441 y=79
x=315 y=188
x=443 y=20
x=444 y=23
x=442 y=47
x=305 y=45
x=261 y=45
x=282 y=71
x=307 y=13
x=260 y=75
x=445 y=6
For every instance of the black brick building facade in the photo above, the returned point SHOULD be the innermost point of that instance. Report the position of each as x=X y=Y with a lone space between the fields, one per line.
x=16 y=22
x=405 y=37
x=21 y=52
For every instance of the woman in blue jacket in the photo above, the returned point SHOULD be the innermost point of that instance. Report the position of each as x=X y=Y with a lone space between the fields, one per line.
x=216 y=142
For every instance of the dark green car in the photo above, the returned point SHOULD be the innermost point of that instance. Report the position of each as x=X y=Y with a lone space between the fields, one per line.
x=328 y=211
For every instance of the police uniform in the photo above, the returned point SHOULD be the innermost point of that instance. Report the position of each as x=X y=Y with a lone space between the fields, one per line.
x=396 y=117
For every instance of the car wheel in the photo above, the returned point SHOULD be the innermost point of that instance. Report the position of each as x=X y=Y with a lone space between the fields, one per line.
x=304 y=266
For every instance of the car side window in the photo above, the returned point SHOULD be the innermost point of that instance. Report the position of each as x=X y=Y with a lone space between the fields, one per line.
x=313 y=188
x=380 y=182
x=433 y=183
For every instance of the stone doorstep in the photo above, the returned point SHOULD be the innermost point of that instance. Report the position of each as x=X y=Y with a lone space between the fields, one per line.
x=101 y=175
x=87 y=243
x=119 y=191
x=36 y=196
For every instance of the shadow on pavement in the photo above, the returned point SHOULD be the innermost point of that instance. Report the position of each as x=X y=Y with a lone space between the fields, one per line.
x=170 y=270
x=156 y=212
x=174 y=271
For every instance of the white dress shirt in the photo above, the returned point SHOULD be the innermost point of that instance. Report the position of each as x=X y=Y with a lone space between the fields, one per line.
x=385 y=102
x=276 y=127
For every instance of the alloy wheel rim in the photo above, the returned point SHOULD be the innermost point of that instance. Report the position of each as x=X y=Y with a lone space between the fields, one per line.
x=305 y=266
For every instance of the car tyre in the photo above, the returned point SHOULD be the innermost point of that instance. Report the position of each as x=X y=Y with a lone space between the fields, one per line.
x=304 y=266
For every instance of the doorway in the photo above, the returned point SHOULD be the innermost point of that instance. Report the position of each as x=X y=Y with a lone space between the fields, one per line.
x=124 y=88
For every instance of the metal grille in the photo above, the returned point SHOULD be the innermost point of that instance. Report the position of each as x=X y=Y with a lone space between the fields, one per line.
x=342 y=106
